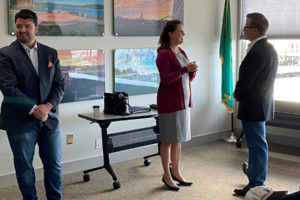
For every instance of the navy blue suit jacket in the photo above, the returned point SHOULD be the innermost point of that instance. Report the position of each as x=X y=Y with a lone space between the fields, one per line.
x=22 y=87
x=255 y=86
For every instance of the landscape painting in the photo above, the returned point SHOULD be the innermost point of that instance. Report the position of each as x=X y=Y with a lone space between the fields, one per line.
x=62 y=17
x=144 y=17
x=135 y=71
x=84 y=74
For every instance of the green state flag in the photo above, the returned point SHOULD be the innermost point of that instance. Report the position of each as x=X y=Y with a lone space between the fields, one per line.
x=225 y=56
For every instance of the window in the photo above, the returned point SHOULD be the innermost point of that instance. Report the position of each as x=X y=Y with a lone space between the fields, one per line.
x=287 y=83
x=283 y=16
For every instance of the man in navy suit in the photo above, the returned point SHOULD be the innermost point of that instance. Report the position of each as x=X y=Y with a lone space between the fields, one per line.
x=32 y=84
x=254 y=92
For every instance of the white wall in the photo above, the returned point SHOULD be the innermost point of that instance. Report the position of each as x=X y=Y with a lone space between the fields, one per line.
x=202 y=23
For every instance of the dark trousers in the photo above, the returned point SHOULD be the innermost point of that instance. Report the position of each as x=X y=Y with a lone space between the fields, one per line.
x=293 y=196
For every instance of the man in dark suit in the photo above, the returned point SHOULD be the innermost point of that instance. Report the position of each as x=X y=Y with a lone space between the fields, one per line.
x=32 y=84
x=254 y=92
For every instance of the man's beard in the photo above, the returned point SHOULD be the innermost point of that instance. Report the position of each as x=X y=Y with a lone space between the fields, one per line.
x=24 y=38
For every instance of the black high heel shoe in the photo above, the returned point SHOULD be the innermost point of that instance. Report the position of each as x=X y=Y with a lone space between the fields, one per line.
x=182 y=183
x=170 y=187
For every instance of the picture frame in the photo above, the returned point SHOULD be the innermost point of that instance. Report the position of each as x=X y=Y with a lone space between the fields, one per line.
x=62 y=17
x=84 y=73
x=135 y=71
x=145 y=17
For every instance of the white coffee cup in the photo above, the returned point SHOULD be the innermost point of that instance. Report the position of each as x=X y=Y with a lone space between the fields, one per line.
x=96 y=110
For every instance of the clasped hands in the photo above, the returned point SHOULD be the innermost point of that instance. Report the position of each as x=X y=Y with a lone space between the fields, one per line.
x=192 y=67
x=41 y=111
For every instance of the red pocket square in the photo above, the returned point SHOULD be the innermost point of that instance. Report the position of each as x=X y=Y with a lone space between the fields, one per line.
x=50 y=64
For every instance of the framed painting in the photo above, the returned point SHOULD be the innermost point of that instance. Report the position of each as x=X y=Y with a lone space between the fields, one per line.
x=84 y=74
x=144 y=17
x=135 y=71
x=62 y=17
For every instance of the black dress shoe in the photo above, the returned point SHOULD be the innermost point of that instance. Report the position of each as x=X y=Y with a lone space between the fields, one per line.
x=182 y=183
x=241 y=191
x=170 y=187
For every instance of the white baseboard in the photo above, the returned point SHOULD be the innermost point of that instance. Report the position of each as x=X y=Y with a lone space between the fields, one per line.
x=96 y=161
x=87 y=163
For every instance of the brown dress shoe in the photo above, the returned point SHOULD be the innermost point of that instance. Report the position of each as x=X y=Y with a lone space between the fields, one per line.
x=245 y=167
x=241 y=191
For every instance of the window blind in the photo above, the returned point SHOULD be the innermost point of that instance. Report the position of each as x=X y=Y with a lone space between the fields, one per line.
x=283 y=17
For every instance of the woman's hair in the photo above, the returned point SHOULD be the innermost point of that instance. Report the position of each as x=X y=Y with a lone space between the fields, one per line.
x=164 y=38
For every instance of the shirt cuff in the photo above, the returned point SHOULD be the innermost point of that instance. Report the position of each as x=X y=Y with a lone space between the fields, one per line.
x=52 y=109
x=32 y=109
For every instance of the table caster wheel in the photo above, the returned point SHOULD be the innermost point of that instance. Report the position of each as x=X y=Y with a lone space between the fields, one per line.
x=116 y=185
x=238 y=144
x=147 y=162
x=86 y=178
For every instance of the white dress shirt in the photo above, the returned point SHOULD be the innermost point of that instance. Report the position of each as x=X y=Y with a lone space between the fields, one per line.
x=33 y=55
x=251 y=44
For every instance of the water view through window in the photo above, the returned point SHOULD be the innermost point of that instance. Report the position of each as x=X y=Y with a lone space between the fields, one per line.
x=287 y=83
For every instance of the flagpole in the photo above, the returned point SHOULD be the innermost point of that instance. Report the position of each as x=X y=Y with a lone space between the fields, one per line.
x=232 y=137
x=226 y=61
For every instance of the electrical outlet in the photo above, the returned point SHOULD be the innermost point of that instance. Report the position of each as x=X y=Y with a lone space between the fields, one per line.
x=70 y=138
x=98 y=143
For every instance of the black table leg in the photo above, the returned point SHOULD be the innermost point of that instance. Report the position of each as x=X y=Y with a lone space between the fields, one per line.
x=106 y=165
x=147 y=162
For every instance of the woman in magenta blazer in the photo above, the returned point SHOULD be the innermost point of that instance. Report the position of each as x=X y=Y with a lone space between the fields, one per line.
x=173 y=100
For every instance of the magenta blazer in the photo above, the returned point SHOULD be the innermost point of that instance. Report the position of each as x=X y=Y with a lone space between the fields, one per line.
x=170 y=96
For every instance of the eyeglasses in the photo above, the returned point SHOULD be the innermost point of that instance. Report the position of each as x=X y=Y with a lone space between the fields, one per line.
x=249 y=27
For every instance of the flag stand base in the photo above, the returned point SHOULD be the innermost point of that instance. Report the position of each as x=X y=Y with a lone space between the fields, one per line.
x=231 y=138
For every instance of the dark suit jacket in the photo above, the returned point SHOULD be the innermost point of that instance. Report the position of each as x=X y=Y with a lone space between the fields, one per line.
x=255 y=86
x=22 y=88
